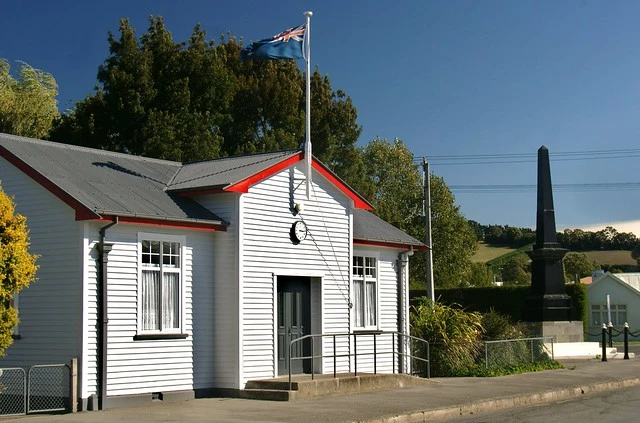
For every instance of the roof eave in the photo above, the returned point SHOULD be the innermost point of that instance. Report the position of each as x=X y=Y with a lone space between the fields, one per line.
x=200 y=224
x=390 y=244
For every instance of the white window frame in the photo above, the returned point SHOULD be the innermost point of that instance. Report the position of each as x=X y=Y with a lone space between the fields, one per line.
x=617 y=312
x=365 y=279
x=181 y=239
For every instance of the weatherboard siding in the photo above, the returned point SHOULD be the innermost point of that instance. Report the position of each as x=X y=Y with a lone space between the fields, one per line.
x=50 y=309
x=268 y=252
x=387 y=312
x=135 y=367
x=216 y=337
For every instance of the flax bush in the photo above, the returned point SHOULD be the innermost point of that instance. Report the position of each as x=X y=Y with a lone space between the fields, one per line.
x=454 y=335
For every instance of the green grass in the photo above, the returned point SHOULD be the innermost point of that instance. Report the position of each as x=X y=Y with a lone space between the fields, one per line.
x=488 y=252
x=611 y=257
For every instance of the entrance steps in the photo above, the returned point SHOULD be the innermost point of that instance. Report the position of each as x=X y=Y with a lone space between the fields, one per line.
x=583 y=350
x=302 y=386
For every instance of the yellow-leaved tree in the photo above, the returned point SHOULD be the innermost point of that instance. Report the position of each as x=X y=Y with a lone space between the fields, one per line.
x=17 y=266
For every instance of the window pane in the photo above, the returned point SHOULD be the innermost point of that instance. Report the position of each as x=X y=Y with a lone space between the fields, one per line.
x=170 y=301
x=150 y=300
x=371 y=304
x=171 y=254
x=151 y=253
x=358 y=303
x=358 y=266
x=370 y=267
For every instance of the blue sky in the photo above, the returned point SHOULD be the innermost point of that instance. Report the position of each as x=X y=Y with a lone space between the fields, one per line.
x=449 y=78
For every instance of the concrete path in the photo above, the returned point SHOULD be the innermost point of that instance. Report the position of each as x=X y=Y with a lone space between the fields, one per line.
x=442 y=399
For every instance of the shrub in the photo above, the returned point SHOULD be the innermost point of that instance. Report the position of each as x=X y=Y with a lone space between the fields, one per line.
x=454 y=335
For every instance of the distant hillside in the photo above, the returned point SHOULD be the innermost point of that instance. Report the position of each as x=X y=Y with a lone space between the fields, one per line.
x=488 y=252
x=611 y=257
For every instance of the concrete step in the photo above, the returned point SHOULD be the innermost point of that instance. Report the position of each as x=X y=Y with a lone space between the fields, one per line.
x=583 y=350
x=326 y=385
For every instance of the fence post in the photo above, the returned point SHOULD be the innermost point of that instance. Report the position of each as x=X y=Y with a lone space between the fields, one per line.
x=626 y=341
x=610 y=329
x=73 y=385
x=604 y=342
x=486 y=355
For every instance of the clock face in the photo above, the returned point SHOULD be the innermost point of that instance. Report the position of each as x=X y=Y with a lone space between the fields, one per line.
x=299 y=231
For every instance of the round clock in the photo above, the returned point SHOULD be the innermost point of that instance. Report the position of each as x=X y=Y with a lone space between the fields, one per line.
x=299 y=230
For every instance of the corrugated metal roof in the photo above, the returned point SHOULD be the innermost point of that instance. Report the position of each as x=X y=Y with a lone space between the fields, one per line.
x=369 y=227
x=109 y=183
x=222 y=173
x=117 y=184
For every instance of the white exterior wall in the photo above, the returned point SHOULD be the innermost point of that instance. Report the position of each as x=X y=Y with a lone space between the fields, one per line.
x=50 y=310
x=618 y=294
x=216 y=303
x=387 y=311
x=267 y=252
x=145 y=366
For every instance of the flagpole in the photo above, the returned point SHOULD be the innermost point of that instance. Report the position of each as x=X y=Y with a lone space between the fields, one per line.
x=307 y=145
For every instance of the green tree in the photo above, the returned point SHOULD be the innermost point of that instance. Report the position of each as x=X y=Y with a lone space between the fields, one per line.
x=454 y=241
x=17 y=266
x=28 y=104
x=480 y=275
x=577 y=265
x=398 y=198
x=196 y=100
x=517 y=270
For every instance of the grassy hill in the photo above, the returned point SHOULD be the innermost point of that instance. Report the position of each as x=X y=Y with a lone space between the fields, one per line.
x=487 y=253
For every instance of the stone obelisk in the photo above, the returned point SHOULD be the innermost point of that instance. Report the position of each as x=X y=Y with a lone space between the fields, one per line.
x=548 y=301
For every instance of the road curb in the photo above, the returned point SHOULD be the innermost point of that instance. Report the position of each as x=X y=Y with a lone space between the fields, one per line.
x=493 y=404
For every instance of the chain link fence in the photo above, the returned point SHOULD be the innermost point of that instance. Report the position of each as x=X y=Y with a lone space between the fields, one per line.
x=43 y=388
x=13 y=392
x=512 y=352
x=48 y=388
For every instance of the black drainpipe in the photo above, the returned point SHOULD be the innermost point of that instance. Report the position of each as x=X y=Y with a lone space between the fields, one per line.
x=103 y=320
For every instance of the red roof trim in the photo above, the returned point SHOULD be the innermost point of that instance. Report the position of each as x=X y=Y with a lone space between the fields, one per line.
x=243 y=186
x=359 y=202
x=168 y=223
x=82 y=211
x=390 y=245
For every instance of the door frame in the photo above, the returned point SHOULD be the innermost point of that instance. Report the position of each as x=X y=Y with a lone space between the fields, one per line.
x=315 y=313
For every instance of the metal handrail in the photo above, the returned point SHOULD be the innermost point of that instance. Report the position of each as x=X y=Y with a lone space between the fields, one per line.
x=396 y=337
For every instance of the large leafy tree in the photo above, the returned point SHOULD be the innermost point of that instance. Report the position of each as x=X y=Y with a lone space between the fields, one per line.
x=28 y=104
x=398 y=198
x=196 y=100
x=577 y=265
x=17 y=266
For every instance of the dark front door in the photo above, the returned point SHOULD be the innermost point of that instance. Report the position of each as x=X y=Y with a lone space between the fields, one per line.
x=294 y=321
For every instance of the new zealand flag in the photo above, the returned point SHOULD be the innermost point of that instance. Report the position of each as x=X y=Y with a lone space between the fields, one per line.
x=286 y=45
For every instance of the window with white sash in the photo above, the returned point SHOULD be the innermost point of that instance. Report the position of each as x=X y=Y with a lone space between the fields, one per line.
x=600 y=314
x=365 y=292
x=160 y=287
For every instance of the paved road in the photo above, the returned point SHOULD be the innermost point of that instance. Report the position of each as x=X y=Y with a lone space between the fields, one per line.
x=611 y=407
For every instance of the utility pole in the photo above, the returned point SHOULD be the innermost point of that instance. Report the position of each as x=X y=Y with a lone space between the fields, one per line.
x=427 y=219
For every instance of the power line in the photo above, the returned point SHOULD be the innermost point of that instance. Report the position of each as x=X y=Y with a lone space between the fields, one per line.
x=526 y=188
x=508 y=158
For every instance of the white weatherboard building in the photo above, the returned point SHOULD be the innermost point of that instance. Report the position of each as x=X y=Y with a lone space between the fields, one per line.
x=175 y=280
x=615 y=298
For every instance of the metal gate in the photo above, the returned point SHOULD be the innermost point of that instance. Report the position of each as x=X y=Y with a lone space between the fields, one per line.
x=43 y=388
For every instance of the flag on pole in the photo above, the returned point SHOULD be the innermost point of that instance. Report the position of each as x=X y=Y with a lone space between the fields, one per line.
x=285 y=45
